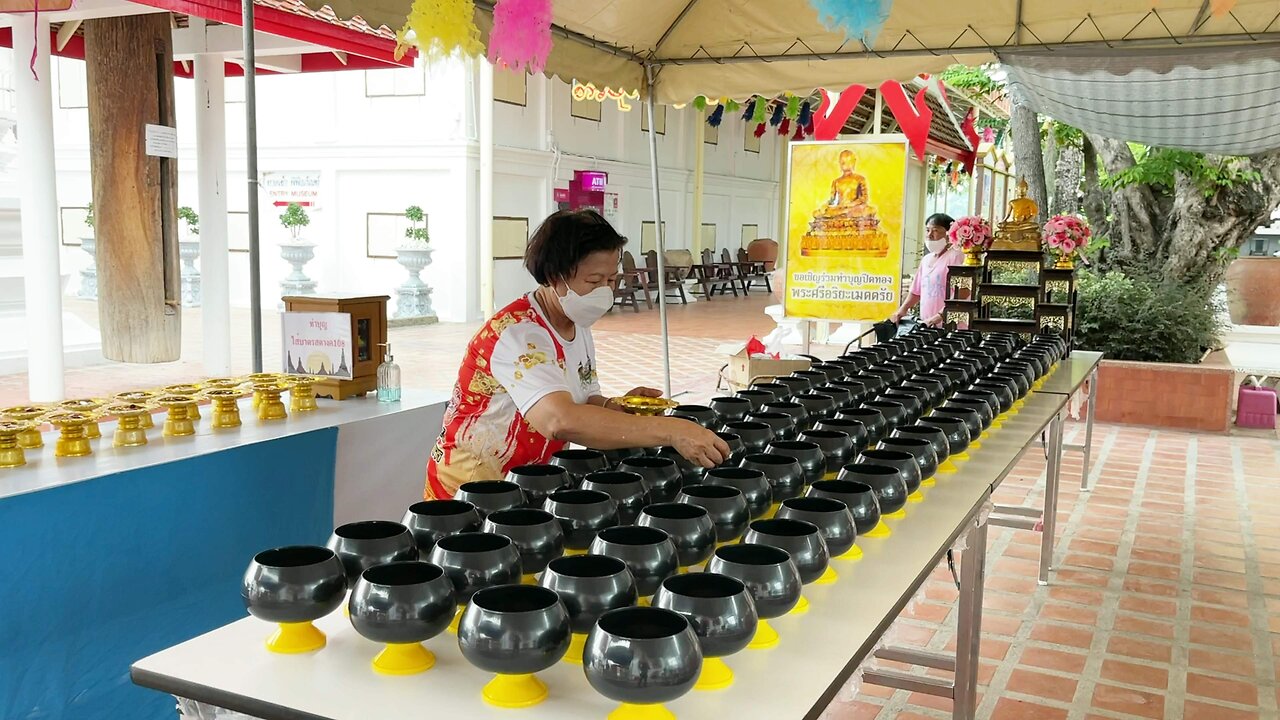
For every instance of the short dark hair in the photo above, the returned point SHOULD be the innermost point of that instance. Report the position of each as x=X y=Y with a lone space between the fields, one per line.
x=564 y=239
x=941 y=220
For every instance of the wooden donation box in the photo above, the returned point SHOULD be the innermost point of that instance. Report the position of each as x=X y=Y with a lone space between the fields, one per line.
x=368 y=332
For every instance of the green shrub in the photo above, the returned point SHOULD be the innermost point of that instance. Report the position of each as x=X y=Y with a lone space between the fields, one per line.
x=1131 y=317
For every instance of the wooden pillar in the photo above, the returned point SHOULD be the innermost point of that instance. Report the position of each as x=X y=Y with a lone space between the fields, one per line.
x=130 y=69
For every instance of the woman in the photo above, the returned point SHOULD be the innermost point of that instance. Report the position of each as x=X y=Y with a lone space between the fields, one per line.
x=528 y=384
x=929 y=286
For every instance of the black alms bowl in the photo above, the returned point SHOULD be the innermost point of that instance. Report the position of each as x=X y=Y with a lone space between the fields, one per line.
x=832 y=518
x=835 y=446
x=661 y=476
x=755 y=436
x=626 y=488
x=648 y=552
x=490 y=495
x=802 y=540
x=642 y=656
x=476 y=560
x=768 y=572
x=514 y=629
x=582 y=513
x=955 y=428
x=536 y=533
x=810 y=457
x=886 y=481
x=784 y=474
x=539 y=481
x=589 y=586
x=579 y=462
x=782 y=424
x=293 y=584
x=431 y=520
x=920 y=448
x=718 y=607
x=726 y=506
x=751 y=482
x=402 y=602
x=859 y=497
x=905 y=462
x=689 y=527
x=361 y=545
x=730 y=409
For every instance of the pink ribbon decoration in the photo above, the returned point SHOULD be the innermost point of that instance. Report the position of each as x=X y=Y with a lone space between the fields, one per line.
x=521 y=35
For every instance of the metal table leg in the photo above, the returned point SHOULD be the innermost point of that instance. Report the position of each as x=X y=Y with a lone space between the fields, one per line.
x=973 y=566
x=1050 y=520
x=1088 y=430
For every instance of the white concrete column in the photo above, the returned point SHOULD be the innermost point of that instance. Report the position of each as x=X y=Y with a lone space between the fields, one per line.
x=485 y=209
x=211 y=167
x=699 y=165
x=39 y=205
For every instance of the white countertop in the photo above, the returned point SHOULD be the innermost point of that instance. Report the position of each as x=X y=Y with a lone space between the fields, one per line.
x=229 y=667
x=1071 y=373
x=43 y=470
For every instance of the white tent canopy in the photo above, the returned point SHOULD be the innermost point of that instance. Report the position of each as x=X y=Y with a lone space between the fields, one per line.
x=741 y=47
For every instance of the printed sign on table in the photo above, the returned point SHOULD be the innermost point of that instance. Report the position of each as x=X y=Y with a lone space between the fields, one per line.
x=845 y=209
x=317 y=344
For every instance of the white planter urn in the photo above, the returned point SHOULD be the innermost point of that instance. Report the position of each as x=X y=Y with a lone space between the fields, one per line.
x=189 y=250
x=297 y=253
x=89 y=275
x=413 y=297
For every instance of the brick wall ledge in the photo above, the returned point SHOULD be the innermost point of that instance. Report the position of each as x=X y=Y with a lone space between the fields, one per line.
x=1171 y=395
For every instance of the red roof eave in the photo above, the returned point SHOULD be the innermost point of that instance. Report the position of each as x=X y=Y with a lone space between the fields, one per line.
x=293 y=26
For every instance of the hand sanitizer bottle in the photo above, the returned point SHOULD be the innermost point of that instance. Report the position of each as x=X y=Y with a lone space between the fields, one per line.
x=388 y=377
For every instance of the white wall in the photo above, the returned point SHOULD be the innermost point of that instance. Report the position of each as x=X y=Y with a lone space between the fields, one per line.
x=381 y=154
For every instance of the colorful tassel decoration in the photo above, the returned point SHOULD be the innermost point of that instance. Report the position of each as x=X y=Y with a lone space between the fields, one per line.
x=761 y=112
x=806 y=114
x=785 y=127
x=521 y=34
x=793 y=106
x=750 y=110
x=700 y=103
x=857 y=19
x=716 y=116
x=441 y=29
x=799 y=132
x=777 y=115
x=760 y=129
x=732 y=106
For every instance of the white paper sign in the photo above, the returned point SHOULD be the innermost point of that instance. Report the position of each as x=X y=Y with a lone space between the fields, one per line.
x=161 y=141
x=317 y=344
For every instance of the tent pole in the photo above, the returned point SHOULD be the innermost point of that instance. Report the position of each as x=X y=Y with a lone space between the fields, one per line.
x=662 y=245
x=251 y=171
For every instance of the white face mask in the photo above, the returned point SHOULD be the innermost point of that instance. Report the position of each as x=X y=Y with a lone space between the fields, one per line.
x=935 y=246
x=585 y=310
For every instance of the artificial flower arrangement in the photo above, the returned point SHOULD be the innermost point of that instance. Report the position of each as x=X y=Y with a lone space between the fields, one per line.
x=1066 y=236
x=971 y=234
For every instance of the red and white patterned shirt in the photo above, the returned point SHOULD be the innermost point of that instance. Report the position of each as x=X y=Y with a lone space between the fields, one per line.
x=514 y=361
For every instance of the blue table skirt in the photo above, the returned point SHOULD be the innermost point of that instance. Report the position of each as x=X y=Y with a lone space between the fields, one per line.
x=100 y=573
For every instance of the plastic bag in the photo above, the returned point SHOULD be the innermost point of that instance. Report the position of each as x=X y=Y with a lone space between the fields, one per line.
x=194 y=710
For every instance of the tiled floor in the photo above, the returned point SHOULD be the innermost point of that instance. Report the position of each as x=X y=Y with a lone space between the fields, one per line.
x=1166 y=603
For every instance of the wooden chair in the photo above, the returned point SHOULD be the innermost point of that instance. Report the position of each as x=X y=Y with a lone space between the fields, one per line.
x=712 y=276
x=753 y=271
x=674 y=278
x=637 y=277
x=624 y=293
x=738 y=270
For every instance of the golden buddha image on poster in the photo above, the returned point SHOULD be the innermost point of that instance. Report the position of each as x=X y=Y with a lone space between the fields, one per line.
x=844 y=228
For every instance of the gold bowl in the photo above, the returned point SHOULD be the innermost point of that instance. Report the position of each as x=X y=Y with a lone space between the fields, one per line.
x=30 y=438
x=88 y=405
x=11 y=453
x=73 y=440
x=643 y=405
x=130 y=431
x=226 y=406
x=191 y=390
x=180 y=420
x=302 y=392
x=139 y=397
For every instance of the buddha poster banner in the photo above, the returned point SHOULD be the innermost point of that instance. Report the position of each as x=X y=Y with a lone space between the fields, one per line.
x=845 y=209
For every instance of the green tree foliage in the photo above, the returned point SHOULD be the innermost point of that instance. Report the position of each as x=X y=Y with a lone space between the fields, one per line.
x=1139 y=317
x=294 y=218
x=417 y=230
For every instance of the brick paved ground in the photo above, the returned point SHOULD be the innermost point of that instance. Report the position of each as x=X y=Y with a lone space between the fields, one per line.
x=1167 y=600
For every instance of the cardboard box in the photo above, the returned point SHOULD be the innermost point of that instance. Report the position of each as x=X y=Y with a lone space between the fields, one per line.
x=743 y=370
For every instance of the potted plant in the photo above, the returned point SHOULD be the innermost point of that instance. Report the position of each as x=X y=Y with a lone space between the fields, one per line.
x=413 y=297
x=89 y=274
x=189 y=250
x=972 y=235
x=297 y=252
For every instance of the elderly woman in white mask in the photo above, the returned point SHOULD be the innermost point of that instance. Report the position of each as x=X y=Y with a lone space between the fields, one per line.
x=929 y=286
x=528 y=383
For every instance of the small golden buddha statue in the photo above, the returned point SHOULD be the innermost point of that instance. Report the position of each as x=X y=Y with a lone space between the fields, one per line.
x=1019 y=230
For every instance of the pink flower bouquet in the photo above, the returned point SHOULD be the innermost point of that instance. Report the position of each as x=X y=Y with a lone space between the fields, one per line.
x=1066 y=235
x=971 y=233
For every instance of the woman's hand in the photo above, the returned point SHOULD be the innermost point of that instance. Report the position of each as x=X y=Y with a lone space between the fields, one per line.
x=645 y=392
x=697 y=444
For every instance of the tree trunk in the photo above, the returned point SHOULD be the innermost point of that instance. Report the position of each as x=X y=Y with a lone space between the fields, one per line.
x=1028 y=153
x=1067 y=174
x=1051 y=154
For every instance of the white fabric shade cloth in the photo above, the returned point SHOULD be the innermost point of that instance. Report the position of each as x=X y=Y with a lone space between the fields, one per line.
x=1219 y=100
x=736 y=48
